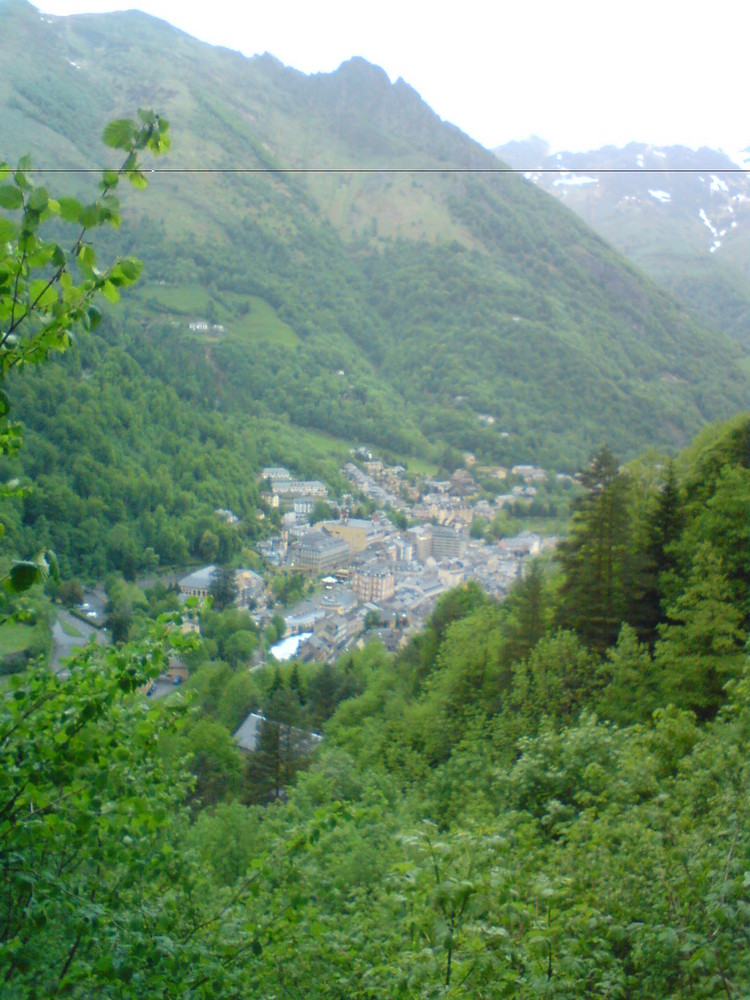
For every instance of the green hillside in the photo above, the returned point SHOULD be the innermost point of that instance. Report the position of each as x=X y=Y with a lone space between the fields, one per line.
x=546 y=797
x=440 y=295
x=680 y=214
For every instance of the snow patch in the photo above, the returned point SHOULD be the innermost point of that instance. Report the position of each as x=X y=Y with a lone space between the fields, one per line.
x=740 y=156
x=718 y=185
x=734 y=224
x=663 y=196
x=658 y=152
x=707 y=222
x=574 y=180
x=75 y=65
x=714 y=246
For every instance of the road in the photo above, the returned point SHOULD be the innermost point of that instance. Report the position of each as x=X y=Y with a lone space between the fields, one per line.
x=63 y=645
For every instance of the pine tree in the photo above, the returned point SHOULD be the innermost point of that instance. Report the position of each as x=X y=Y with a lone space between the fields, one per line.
x=702 y=647
x=655 y=562
x=594 y=558
x=223 y=588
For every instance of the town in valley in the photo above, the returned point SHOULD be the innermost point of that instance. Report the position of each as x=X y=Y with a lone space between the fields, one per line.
x=378 y=577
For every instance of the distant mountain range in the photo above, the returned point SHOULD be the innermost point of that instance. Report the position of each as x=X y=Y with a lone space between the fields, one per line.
x=380 y=292
x=682 y=215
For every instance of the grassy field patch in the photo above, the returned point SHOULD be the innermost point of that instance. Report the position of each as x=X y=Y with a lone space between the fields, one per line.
x=420 y=466
x=262 y=323
x=69 y=629
x=15 y=637
x=186 y=299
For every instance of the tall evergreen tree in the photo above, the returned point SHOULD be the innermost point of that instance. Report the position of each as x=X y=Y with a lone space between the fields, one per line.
x=724 y=522
x=702 y=647
x=594 y=557
x=280 y=746
x=655 y=561
x=528 y=606
x=223 y=587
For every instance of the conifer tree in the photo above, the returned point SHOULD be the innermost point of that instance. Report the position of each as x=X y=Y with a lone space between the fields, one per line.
x=223 y=588
x=701 y=649
x=593 y=596
x=655 y=561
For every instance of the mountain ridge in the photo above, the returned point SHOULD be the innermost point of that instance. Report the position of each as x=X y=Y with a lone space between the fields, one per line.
x=666 y=208
x=424 y=284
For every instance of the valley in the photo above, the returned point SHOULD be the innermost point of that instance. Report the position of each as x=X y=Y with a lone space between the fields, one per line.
x=375 y=583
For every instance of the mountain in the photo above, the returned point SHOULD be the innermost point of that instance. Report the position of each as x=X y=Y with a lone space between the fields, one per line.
x=682 y=215
x=350 y=265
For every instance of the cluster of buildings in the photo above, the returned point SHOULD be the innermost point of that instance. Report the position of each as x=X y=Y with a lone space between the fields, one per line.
x=377 y=484
x=393 y=582
x=282 y=484
x=375 y=578
x=370 y=577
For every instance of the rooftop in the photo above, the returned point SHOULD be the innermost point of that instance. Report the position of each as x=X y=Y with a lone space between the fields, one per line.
x=200 y=579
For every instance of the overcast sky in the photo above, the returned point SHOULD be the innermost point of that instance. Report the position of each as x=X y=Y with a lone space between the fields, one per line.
x=580 y=74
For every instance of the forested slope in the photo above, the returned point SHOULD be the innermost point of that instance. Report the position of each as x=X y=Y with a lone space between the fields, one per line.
x=680 y=214
x=547 y=797
x=441 y=295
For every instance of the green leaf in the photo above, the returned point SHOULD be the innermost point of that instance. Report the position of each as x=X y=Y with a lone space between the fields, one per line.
x=137 y=179
x=19 y=176
x=109 y=209
x=10 y=196
x=87 y=256
x=110 y=292
x=41 y=256
x=38 y=199
x=41 y=295
x=163 y=143
x=70 y=209
x=125 y=271
x=89 y=216
x=24 y=575
x=120 y=134
x=8 y=230
x=131 y=268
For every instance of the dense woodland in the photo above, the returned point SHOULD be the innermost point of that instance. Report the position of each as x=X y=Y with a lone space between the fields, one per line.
x=530 y=799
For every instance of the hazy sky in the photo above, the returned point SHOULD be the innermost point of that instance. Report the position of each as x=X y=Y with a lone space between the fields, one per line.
x=579 y=73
